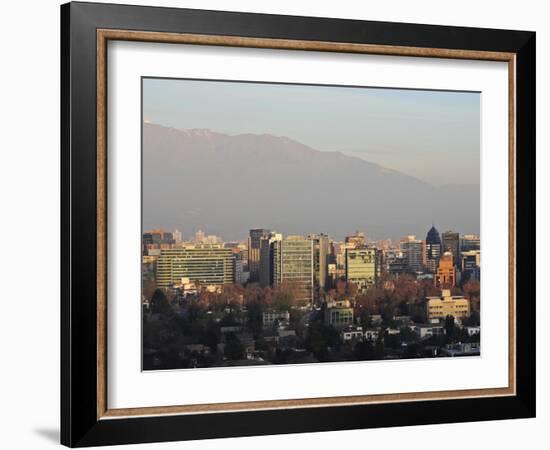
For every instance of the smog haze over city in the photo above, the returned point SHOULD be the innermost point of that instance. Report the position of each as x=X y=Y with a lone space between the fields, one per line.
x=227 y=156
x=293 y=224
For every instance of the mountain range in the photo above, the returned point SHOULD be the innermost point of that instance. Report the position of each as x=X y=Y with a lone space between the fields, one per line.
x=226 y=184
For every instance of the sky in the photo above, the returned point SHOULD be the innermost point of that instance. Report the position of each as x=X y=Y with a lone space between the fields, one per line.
x=431 y=135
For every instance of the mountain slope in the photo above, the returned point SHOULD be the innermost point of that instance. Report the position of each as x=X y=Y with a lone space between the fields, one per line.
x=227 y=184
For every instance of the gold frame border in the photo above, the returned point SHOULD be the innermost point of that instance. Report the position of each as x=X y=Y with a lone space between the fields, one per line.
x=103 y=36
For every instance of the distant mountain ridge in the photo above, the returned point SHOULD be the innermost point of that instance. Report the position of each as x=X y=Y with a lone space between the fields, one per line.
x=226 y=184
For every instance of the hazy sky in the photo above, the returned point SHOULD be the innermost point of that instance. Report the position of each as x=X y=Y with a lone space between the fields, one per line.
x=432 y=135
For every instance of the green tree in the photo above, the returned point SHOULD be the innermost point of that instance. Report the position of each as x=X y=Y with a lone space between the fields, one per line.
x=408 y=335
x=211 y=338
x=234 y=350
x=282 y=301
x=472 y=320
x=160 y=304
x=320 y=337
x=254 y=316
x=452 y=332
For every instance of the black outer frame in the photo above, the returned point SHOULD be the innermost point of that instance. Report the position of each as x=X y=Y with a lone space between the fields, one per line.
x=79 y=423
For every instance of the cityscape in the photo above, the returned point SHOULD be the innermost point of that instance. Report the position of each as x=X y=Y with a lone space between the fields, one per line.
x=288 y=299
x=300 y=224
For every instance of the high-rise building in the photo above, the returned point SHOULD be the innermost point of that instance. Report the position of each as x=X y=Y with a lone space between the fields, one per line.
x=293 y=266
x=446 y=271
x=200 y=236
x=413 y=252
x=470 y=265
x=398 y=266
x=178 y=236
x=320 y=261
x=433 y=249
x=254 y=242
x=266 y=269
x=154 y=240
x=450 y=242
x=358 y=239
x=362 y=267
x=337 y=256
x=158 y=237
x=241 y=275
x=212 y=239
x=470 y=242
x=205 y=264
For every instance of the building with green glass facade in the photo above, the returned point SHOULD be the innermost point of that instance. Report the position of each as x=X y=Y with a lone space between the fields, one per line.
x=362 y=267
x=293 y=266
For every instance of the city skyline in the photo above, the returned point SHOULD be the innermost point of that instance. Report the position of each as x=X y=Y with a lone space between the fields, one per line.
x=278 y=299
x=190 y=235
x=290 y=224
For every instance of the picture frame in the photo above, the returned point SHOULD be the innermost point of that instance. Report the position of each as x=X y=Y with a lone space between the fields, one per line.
x=86 y=418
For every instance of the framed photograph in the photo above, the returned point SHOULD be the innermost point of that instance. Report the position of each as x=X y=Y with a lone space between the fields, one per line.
x=277 y=224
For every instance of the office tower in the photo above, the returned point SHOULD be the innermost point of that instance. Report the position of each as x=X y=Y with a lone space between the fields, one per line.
x=379 y=261
x=470 y=242
x=241 y=275
x=254 y=241
x=212 y=239
x=293 y=267
x=433 y=249
x=320 y=261
x=154 y=240
x=383 y=244
x=470 y=265
x=362 y=267
x=397 y=266
x=266 y=267
x=178 y=236
x=200 y=237
x=450 y=242
x=446 y=271
x=157 y=237
x=358 y=239
x=207 y=264
x=413 y=252
x=337 y=256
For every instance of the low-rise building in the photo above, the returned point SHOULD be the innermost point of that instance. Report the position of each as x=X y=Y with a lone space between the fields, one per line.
x=371 y=334
x=270 y=317
x=231 y=329
x=339 y=313
x=376 y=319
x=428 y=330
x=184 y=288
x=286 y=333
x=352 y=333
x=462 y=349
x=447 y=305
x=404 y=320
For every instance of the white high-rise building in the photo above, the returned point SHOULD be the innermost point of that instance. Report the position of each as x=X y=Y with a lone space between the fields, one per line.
x=200 y=237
